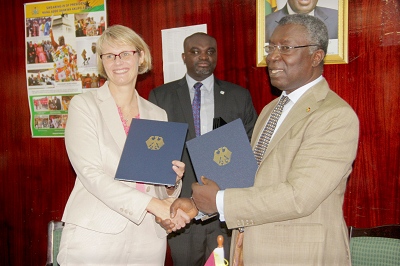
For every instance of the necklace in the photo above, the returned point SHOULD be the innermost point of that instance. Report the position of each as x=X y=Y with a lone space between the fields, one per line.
x=126 y=117
x=127 y=112
x=121 y=114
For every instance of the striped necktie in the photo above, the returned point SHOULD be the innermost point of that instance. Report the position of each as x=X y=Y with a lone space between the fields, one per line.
x=259 y=151
x=266 y=135
x=196 y=108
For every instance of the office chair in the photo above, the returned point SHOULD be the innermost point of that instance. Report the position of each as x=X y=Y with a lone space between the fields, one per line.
x=54 y=230
x=375 y=246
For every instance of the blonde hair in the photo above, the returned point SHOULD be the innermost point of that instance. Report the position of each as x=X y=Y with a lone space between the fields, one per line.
x=116 y=35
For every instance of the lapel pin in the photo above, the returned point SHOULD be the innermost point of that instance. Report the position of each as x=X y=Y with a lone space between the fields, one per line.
x=222 y=92
x=308 y=109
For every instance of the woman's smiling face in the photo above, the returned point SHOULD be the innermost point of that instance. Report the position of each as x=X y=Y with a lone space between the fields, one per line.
x=122 y=72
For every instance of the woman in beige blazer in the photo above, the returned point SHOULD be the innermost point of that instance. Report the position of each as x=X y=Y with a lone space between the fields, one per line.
x=110 y=222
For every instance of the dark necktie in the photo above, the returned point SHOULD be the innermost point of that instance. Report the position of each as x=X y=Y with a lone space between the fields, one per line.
x=196 y=108
x=259 y=151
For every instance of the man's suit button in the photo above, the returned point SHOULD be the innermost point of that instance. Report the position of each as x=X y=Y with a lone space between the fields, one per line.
x=130 y=213
x=126 y=211
x=148 y=189
x=121 y=209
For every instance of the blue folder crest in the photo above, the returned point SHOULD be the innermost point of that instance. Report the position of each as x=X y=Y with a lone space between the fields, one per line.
x=222 y=156
x=155 y=143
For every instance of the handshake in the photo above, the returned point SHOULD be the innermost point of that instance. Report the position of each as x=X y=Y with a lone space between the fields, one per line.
x=183 y=210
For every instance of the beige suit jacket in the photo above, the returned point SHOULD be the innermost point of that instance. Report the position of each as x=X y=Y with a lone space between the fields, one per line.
x=94 y=138
x=293 y=214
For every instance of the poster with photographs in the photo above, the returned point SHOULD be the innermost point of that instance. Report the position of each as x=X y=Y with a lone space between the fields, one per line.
x=60 y=44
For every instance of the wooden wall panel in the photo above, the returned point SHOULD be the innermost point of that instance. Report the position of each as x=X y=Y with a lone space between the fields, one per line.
x=36 y=176
x=371 y=85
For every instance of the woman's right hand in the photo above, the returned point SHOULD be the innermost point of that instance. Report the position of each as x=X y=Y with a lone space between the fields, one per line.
x=171 y=224
x=161 y=209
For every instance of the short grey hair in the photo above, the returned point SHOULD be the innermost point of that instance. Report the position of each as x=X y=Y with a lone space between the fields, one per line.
x=116 y=35
x=316 y=28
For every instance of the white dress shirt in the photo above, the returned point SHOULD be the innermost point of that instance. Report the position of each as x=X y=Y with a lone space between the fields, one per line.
x=207 y=101
x=293 y=98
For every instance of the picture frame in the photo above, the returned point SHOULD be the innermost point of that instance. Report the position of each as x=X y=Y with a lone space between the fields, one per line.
x=337 y=48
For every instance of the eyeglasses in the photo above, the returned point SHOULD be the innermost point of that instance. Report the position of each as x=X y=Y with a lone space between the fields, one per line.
x=126 y=55
x=284 y=49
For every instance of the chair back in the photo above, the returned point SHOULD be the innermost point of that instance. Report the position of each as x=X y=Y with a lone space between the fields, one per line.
x=54 y=231
x=375 y=246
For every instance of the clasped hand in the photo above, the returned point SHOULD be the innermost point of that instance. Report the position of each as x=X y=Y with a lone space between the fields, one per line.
x=161 y=208
x=204 y=197
x=181 y=209
x=172 y=222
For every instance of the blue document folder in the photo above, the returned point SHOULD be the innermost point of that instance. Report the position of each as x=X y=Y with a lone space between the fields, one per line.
x=149 y=150
x=224 y=155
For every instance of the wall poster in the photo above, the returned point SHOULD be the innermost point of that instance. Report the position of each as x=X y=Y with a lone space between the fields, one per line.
x=60 y=44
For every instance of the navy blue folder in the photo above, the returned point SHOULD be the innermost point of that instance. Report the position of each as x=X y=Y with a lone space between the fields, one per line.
x=149 y=149
x=224 y=155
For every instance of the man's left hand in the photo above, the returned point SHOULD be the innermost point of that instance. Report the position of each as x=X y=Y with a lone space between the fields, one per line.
x=205 y=195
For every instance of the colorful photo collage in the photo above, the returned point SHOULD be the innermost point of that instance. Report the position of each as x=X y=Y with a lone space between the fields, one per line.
x=61 y=58
x=50 y=111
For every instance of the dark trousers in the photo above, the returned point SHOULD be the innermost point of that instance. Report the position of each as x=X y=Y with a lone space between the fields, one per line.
x=193 y=245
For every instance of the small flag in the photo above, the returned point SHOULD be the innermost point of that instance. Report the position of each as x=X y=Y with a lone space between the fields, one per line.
x=270 y=6
x=217 y=257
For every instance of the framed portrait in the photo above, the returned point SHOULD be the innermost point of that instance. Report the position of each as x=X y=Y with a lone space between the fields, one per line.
x=333 y=12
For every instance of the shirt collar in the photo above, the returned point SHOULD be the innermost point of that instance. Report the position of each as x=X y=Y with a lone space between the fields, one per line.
x=207 y=83
x=296 y=94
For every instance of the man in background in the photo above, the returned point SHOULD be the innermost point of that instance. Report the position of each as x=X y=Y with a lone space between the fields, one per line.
x=216 y=98
x=309 y=7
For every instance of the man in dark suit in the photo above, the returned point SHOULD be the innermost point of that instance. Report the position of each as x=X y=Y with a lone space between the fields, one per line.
x=30 y=80
x=58 y=103
x=194 y=244
x=327 y=15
